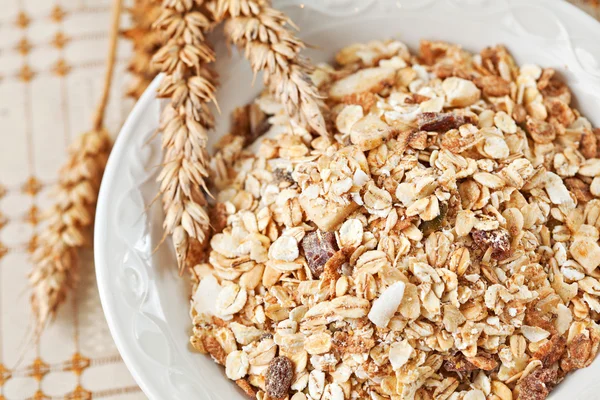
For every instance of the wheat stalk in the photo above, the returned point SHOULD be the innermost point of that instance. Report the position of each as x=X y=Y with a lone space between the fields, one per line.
x=67 y=223
x=260 y=31
x=190 y=85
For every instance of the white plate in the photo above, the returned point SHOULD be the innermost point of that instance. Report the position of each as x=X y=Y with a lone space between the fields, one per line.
x=145 y=301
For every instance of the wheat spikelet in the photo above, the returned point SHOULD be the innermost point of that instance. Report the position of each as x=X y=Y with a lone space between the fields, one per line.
x=146 y=41
x=68 y=221
x=185 y=121
x=55 y=269
x=269 y=46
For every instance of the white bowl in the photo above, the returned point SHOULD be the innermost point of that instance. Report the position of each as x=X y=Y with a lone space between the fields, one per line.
x=145 y=301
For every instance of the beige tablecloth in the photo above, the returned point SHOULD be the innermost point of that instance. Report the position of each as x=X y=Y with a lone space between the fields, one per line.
x=52 y=55
x=51 y=67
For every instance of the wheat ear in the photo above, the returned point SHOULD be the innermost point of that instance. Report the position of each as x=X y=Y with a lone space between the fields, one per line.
x=190 y=85
x=260 y=31
x=146 y=42
x=67 y=223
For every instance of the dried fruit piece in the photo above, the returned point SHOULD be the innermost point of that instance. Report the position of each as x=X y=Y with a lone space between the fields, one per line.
x=537 y=385
x=279 y=377
x=540 y=131
x=578 y=353
x=442 y=122
x=458 y=364
x=318 y=248
x=428 y=227
x=498 y=240
x=551 y=351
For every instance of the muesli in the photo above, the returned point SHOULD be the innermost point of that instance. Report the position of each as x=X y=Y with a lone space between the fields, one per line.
x=441 y=244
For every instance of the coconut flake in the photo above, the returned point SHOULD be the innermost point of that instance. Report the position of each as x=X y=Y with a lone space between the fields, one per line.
x=206 y=295
x=533 y=333
x=385 y=306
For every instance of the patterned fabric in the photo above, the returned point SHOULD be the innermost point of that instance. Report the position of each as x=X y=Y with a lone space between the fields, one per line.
x=51 y=69
x=52 y=55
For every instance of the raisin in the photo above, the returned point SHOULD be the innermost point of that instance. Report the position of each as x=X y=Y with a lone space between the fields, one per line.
x=442 y=122
x=319 y=247
x=498 y=240
x=458 y=364
x=279 y=377
x=283 y=176
x=428 y=227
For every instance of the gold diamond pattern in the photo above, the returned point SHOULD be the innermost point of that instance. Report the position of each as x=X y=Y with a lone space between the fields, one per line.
x=57 y=14
x=39 y=395
x=23 y=20
x=5 y=375
x=61 y=68
x=3 y=250
x=59 y=40
x=3 y=220
x=79 y=394
x=32 y=186
x=25 y=74
x=38 y=369
x=78 y=364
x=24 y=46
x=33 y=215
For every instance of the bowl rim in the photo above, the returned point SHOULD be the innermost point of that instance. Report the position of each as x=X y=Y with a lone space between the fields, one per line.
x=100 y=226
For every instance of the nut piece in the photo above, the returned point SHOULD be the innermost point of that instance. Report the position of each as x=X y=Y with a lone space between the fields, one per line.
x=586 y=253
x=318 y=248
x=460 y=92
x=324 y=213
x=387 y=304
x=369 y=132
x=498 y=240
x=441 y=122
x=279 y=377
x=365 y=80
